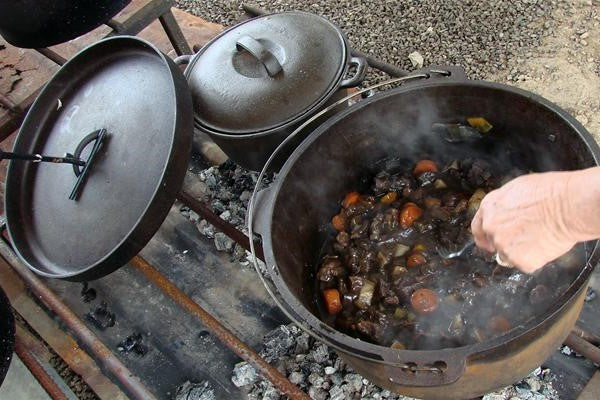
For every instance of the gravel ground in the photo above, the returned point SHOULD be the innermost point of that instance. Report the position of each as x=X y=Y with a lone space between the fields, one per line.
x=483 y=37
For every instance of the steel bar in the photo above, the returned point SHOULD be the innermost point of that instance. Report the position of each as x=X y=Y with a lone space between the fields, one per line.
x=220 y=331
x=103 y=354
x=54 y=335
x=583 y=347
x=52 y=55
x=219 y=223
x=173 y=31
x=37 y=370
x=586 y=335
x=43 y=356
x=374 y=62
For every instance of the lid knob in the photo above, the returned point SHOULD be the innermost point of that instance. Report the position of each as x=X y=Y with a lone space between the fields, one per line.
x=260 y=52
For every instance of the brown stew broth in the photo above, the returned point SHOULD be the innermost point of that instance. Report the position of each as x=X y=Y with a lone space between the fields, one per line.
x=393 y=288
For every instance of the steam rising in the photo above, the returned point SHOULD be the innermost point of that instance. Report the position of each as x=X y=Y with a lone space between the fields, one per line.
x=344 y=155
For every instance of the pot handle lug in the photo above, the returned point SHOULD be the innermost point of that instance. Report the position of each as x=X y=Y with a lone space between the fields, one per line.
x=438 y=370
x=260 y=52
x=262 y=203
x=361 y=69
x=183 y=60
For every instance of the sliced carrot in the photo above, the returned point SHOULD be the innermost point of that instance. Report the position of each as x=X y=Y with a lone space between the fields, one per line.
x=332 y=300
x=389 y=198
x=351 y=198
x=339 y=222
x=415 y=259
x=424 y=301
x=409 y=214
x=425 y=166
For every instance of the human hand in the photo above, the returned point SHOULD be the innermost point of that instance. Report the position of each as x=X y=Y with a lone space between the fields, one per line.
x=527 y=221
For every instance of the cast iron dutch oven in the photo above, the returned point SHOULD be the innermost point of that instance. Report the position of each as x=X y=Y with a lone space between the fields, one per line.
x=255 y=82
x=123 y=108
x=43 y=23
x=293 y=214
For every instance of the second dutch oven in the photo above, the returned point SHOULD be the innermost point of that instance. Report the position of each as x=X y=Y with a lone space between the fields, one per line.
x=257 y=81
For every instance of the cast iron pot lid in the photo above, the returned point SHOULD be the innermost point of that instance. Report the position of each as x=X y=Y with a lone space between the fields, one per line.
x=123 y=88
x=266 y=71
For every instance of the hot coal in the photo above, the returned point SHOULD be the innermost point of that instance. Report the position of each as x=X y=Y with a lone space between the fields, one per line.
x=195 y=391
x=101 y=317
x=319 y=371
x=87 y=294
x=227 y=190
x=133 y=343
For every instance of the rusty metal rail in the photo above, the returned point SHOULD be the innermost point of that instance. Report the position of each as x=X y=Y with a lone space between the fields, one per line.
x=222 y=225
x=36 y=369
x=583 y=347
x=219 y=330
x=103 y=354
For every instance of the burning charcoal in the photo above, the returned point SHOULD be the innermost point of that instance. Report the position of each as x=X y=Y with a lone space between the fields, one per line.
x=195 y=391
x=590 y=294
x=223 y=242
x=101 y=317
x=278 y=343
x=270 y=393
x=315 y=380
x=566 y=350
x=336 y=393
x=133 y=343
x=534 y=384
x=320 y=354
x=206 y=229
x=316 y=393
x=303 y=343
x=244 y=374
x=87 y=294
x=296 y=378
x=330 y=370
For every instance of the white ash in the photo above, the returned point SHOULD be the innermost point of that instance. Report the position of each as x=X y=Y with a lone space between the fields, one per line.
x=195 y=391
x=320 y=372
x=244 y=374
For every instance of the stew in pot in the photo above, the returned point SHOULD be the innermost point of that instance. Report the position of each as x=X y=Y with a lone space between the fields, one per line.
x=381 y=278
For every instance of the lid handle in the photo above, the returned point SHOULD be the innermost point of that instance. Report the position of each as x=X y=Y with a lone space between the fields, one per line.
x=259 y=52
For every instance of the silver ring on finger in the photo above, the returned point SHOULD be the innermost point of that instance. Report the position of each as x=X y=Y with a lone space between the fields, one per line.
x=500 y=261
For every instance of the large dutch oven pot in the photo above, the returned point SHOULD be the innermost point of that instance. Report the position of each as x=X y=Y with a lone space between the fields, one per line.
x=43 y=23
x=292 y=217
x=255 y=82
x=123 y=107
